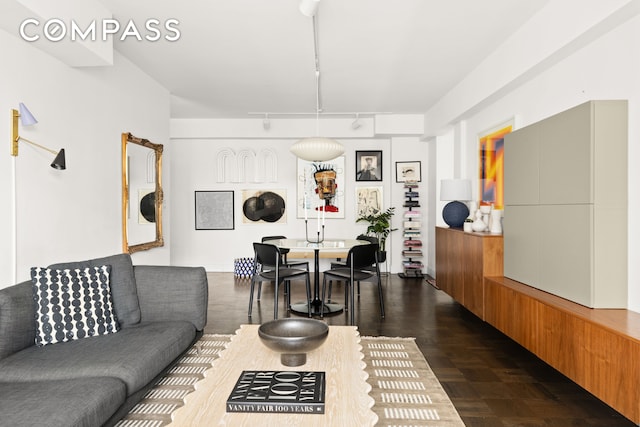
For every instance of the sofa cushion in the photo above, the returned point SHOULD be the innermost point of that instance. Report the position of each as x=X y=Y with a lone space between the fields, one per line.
x=17 y=318
x=135 y=355
x=123 y=284
x=85 y=402
x=72 y=304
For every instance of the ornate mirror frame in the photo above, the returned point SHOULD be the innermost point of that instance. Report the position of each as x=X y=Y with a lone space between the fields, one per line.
x=127 y=138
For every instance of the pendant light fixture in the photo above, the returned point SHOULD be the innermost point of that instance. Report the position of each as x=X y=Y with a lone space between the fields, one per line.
x=316 y=148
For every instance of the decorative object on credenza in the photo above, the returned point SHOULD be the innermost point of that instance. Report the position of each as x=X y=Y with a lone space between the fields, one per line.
x=293 y=338
x=479 y=225
x=485 y=210
x=495 y=221
x=27 y=119
x=468 y=225
x=456 y=191
x=278 y=392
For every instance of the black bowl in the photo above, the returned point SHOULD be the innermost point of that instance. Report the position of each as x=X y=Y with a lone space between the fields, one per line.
x=293 y=338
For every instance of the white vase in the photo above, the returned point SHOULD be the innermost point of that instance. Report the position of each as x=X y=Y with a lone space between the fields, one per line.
x=478 y=225
x=495 y=226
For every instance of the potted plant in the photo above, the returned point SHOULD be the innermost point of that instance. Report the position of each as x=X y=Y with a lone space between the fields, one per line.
x=380 y=227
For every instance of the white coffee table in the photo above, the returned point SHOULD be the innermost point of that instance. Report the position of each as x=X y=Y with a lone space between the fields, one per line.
x=347 y=400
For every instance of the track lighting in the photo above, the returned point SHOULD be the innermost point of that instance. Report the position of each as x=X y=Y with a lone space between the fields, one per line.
x=356 y=123
x=266 y=123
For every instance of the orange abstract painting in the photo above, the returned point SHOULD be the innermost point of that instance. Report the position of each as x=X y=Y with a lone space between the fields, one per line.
x=492 y=167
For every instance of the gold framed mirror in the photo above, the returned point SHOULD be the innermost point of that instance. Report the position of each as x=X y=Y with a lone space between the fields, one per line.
x=142 y=194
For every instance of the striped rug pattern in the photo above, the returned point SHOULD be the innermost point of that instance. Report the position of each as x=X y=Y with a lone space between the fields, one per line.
x=405 y=389
x=406 y=392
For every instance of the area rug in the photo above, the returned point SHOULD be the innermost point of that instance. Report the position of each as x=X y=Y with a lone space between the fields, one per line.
x=405 y=389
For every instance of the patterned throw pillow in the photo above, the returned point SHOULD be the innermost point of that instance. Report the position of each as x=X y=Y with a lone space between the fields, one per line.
x=72 y=304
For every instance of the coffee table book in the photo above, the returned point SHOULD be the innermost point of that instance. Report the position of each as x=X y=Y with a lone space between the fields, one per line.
x=278 y=392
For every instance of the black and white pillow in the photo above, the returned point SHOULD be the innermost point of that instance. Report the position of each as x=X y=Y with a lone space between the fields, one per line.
x=72 y=304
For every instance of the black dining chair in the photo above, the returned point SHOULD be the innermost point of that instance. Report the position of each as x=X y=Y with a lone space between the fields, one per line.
x=284 y=253
x=360 y=260
x=284 y=261
x=270 y=258
x=338 y=263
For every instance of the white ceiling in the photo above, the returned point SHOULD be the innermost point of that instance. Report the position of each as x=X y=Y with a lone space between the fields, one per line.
x=241 y=56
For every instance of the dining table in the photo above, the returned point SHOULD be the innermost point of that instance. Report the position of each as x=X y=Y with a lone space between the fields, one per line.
x=338 y=246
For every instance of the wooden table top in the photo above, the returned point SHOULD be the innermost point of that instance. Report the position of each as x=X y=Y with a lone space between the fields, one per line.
x=347 y=400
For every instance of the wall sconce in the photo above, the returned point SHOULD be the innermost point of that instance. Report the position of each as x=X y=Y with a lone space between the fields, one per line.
x=27 y=119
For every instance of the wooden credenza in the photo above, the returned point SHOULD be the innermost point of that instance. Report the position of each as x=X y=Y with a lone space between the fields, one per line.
x=599 y=349
x=463 y=260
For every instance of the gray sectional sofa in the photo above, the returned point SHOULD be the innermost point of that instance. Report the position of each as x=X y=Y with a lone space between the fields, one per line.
x=95 y=380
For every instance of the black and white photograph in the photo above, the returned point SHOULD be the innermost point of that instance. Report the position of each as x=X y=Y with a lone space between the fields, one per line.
x=368 y=165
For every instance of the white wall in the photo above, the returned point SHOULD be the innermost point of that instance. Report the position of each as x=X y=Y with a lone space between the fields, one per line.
x=605 y=67
x=194 y=160
x=72 y=214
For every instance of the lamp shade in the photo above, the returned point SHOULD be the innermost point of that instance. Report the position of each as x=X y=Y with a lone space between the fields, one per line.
x=317 y=149
x=59 y=162
x=26 y=118
x=309 y=7
x=455 y=189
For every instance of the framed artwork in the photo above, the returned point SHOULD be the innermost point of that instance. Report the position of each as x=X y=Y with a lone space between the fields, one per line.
x=214 y=210
x=491 y=169
x=320 y=189
x=368 y=165
x=408 y=171
x=146 y=206
x=259 y=207
x=369 y=201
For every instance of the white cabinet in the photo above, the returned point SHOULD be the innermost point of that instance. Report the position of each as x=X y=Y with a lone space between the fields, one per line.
x=565 y=221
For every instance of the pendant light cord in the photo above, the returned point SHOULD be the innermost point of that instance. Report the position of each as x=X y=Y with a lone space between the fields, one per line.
x=317 y=63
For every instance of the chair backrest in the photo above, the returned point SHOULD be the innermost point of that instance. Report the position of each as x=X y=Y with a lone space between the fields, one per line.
x=283 y=251
x=266 y=238
x=372 y=239
x=267 y=254
x=363 y=256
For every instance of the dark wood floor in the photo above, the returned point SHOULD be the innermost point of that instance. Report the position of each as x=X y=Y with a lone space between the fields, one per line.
x=491 y=380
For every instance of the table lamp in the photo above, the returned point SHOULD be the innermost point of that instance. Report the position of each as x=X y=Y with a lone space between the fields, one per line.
x=455 y=212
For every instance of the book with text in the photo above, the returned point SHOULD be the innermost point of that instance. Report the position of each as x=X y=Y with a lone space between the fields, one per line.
x=278 y=391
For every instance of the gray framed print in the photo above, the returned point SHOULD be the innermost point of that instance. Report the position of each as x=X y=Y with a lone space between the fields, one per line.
x=368 y=165
x=408 y=172
x=214 y=210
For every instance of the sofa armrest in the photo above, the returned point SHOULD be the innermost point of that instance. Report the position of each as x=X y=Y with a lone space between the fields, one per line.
x=17 y=318
x=172 y=293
